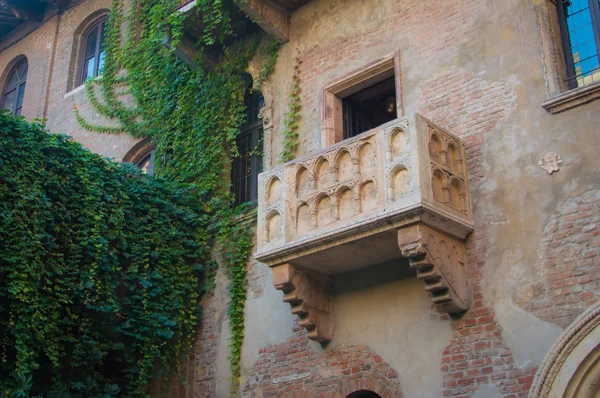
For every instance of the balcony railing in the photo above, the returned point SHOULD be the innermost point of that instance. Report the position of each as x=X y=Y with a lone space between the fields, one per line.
x=397 y=191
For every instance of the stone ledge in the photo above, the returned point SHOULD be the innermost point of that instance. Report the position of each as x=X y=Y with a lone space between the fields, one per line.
x=573 y=98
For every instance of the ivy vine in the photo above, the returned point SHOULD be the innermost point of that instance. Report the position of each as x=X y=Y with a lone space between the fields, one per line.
x=100 y=272
x=290 y=132
x=192 y=114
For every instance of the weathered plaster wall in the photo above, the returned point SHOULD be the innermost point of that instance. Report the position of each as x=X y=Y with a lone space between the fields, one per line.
x=474 y=67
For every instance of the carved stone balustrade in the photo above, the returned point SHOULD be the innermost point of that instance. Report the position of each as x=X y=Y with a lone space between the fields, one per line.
x=397 y=191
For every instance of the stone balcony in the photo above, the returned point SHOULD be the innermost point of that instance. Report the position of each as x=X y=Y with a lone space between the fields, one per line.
x=397 y=191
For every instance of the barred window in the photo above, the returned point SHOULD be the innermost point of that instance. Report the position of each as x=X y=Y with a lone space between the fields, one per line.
x=248 y=163
x=580 y=29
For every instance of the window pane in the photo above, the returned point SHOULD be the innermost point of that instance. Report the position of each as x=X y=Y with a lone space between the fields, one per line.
x=22 y=71
x=90 y=44
x=10 y=99
x=582 y=41
x=103 y=26
x=20 y=96
x=88 y=68
x=12 y=80
x=101 y=63
x=147 y=164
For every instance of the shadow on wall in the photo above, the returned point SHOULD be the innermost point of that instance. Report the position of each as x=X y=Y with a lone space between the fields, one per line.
x=375 y=275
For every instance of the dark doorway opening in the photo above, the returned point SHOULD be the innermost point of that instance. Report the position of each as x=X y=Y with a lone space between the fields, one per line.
x=370 y=107
x=364 y=394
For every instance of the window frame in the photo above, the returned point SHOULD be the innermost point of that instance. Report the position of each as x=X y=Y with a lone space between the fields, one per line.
x=22 y=82
x=332 y=110
x=99 y=27
x=255 y=130
x=594 y=7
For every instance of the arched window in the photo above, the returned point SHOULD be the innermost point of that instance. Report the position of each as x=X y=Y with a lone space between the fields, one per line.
x=146 y=163
x=92 y=58
x=142 y=155
x=14 y=89
x=248 y=164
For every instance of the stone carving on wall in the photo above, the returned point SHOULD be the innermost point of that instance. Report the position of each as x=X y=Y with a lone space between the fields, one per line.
x=448 y=168
x=404 y=183
x=265 y=113
x=440 y=264
x=308 y=295
x=550 y=162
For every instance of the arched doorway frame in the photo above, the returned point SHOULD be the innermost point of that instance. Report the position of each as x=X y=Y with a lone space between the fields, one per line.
x=377 y=385
x=560 y=373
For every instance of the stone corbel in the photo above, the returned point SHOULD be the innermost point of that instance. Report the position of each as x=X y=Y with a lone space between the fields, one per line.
x=308 y=295
x=270 y=16
x=439 y=260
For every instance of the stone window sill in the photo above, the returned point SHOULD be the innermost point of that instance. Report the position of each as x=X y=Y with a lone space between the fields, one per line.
x=573 y=98
x=75 y=90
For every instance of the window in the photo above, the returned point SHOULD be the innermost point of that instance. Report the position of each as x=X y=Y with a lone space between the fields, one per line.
x=248 y=163
x=146 y=163
x=14 y=90
x=580 y=28
x=369 y=108
x=92 y=59
x=142 y=155
x=362 y=101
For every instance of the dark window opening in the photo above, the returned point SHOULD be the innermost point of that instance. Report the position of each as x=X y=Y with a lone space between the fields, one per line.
x=146 y=163
x=248 y=162
x=369 y=107
x=364 y=394
x=14 y=90
x=93 y=54
x=580 y=29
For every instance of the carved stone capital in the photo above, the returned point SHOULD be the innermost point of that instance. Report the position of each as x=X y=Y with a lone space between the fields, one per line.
x=439 y=260
x=308 y=294
x=266 y=114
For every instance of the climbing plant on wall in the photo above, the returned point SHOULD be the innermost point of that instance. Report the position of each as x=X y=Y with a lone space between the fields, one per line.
x=290 y=132
x=100 y=269
x=193 y=114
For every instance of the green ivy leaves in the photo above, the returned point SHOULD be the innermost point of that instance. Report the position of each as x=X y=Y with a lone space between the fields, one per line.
x=290 y=132
x=100 y=269
x=193 y=116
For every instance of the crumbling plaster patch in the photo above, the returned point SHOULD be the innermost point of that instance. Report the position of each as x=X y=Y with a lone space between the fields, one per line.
x=268 y=321
x=528 y=337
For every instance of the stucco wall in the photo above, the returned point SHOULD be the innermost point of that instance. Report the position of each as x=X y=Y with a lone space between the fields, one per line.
x=475 y=68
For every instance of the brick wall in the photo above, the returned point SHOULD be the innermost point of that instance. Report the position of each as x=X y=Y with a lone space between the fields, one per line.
x=38 y=47
x=293 y=369
x=53 y=51
x=477 y=353
x=469 y=107
x=568 y=280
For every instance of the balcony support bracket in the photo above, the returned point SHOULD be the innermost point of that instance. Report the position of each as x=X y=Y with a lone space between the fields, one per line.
x=307 y=292
x=269 y=16
x=439 y=260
